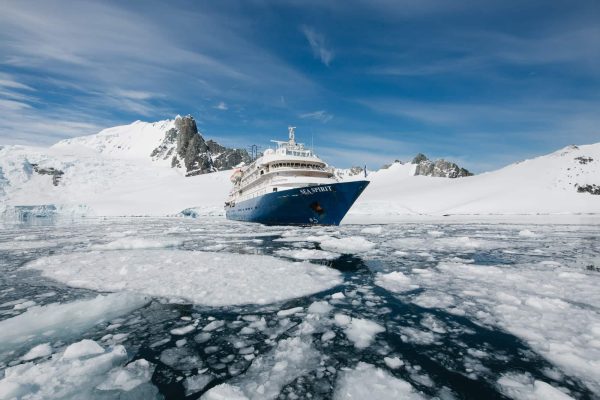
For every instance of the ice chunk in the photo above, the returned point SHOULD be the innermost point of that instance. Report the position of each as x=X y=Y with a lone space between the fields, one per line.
x=393 y=362
x=66 y=319
x=183 y=330
x=41 y=350
x=212 y=326
x=362 y=332
x=73 y=377
x=128 y=377
x=369 y=382
x=320 y=307
x=266 y=376
x=348 y=245
x=395 y=282
x=288 y=312
x=25 y=304
x=205 y=278
x=342 y=319
x=524 y=387
x=225 y=392
x=181 y=358
x=372 y=230
x=338 y=296
x=417 y=336
x=527 y=233
x=196 y=383
x=308 y=254
x=128 y=243
x=81 y=349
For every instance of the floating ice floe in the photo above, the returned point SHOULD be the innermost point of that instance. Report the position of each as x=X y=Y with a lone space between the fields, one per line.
x=359 y=331
x=463 y=243
x=368 y=382
x=268 y=374
x=549 y=306
x=372 y=230
x=527 y=233
x=393 y=362
x=195 y=383
x=82 y=371
x=524 y=387
x=41 y=323
x=320 y=308
x=129 y=243
x=395 y=282
x=205 y=278
x=307 y=254
x=348 y=245
x=41 y=350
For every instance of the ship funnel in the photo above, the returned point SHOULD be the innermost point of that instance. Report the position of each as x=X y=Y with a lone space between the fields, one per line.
x=291 y=130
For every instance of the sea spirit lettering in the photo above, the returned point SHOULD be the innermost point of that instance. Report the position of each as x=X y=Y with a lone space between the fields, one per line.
x=316 y=189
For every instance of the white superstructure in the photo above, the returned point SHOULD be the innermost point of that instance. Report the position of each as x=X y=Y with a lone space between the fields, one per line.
x=290 y=165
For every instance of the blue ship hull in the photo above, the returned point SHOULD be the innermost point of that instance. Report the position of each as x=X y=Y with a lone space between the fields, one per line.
x=311 y=205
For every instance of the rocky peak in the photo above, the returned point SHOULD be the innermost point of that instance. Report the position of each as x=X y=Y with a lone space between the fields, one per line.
x=438 y=168
x=418 y=158
x=56 y=174
x=186 y=148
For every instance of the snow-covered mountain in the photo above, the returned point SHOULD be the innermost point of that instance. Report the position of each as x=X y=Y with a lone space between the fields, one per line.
x=138 y=169
x=176 y=143
x=558 y=183
x=160 y=169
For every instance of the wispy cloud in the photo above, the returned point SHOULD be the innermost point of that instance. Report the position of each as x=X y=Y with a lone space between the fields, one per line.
x=115 y=62
x=320 y=115
x=318 y=44
x=222 y=106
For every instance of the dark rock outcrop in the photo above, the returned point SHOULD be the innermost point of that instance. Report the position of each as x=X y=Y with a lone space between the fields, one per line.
x=419 y=158
x=186 y=148
x=591 y=189
x=55 y=173
x=439 y=168
x=584 y=160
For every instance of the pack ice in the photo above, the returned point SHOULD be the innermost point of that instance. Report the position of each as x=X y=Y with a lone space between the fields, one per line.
x=212 y=279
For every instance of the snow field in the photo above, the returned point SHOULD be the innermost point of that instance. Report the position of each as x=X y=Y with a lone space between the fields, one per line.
x=542 y=185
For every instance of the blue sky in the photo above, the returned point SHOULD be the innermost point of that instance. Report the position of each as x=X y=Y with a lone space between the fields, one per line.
x=484 y=83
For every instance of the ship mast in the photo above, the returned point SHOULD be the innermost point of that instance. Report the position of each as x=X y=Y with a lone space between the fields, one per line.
x=291 y=130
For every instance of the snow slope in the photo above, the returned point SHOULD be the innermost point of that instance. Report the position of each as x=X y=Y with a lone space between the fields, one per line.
x=112 y=174
x=107 y=174
x=543 y=185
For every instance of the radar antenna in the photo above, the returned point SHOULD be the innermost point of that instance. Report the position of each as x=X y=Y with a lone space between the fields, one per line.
x=291 y=130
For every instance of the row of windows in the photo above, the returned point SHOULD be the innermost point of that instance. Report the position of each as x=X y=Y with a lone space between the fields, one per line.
x=295 y=165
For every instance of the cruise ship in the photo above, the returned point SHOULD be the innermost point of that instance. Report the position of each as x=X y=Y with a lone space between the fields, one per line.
x=290 y=185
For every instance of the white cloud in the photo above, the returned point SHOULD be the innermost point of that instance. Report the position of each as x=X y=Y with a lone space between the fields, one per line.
x=221 y=106
x=318 y=45
x=320 y=115
x=107 y=58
